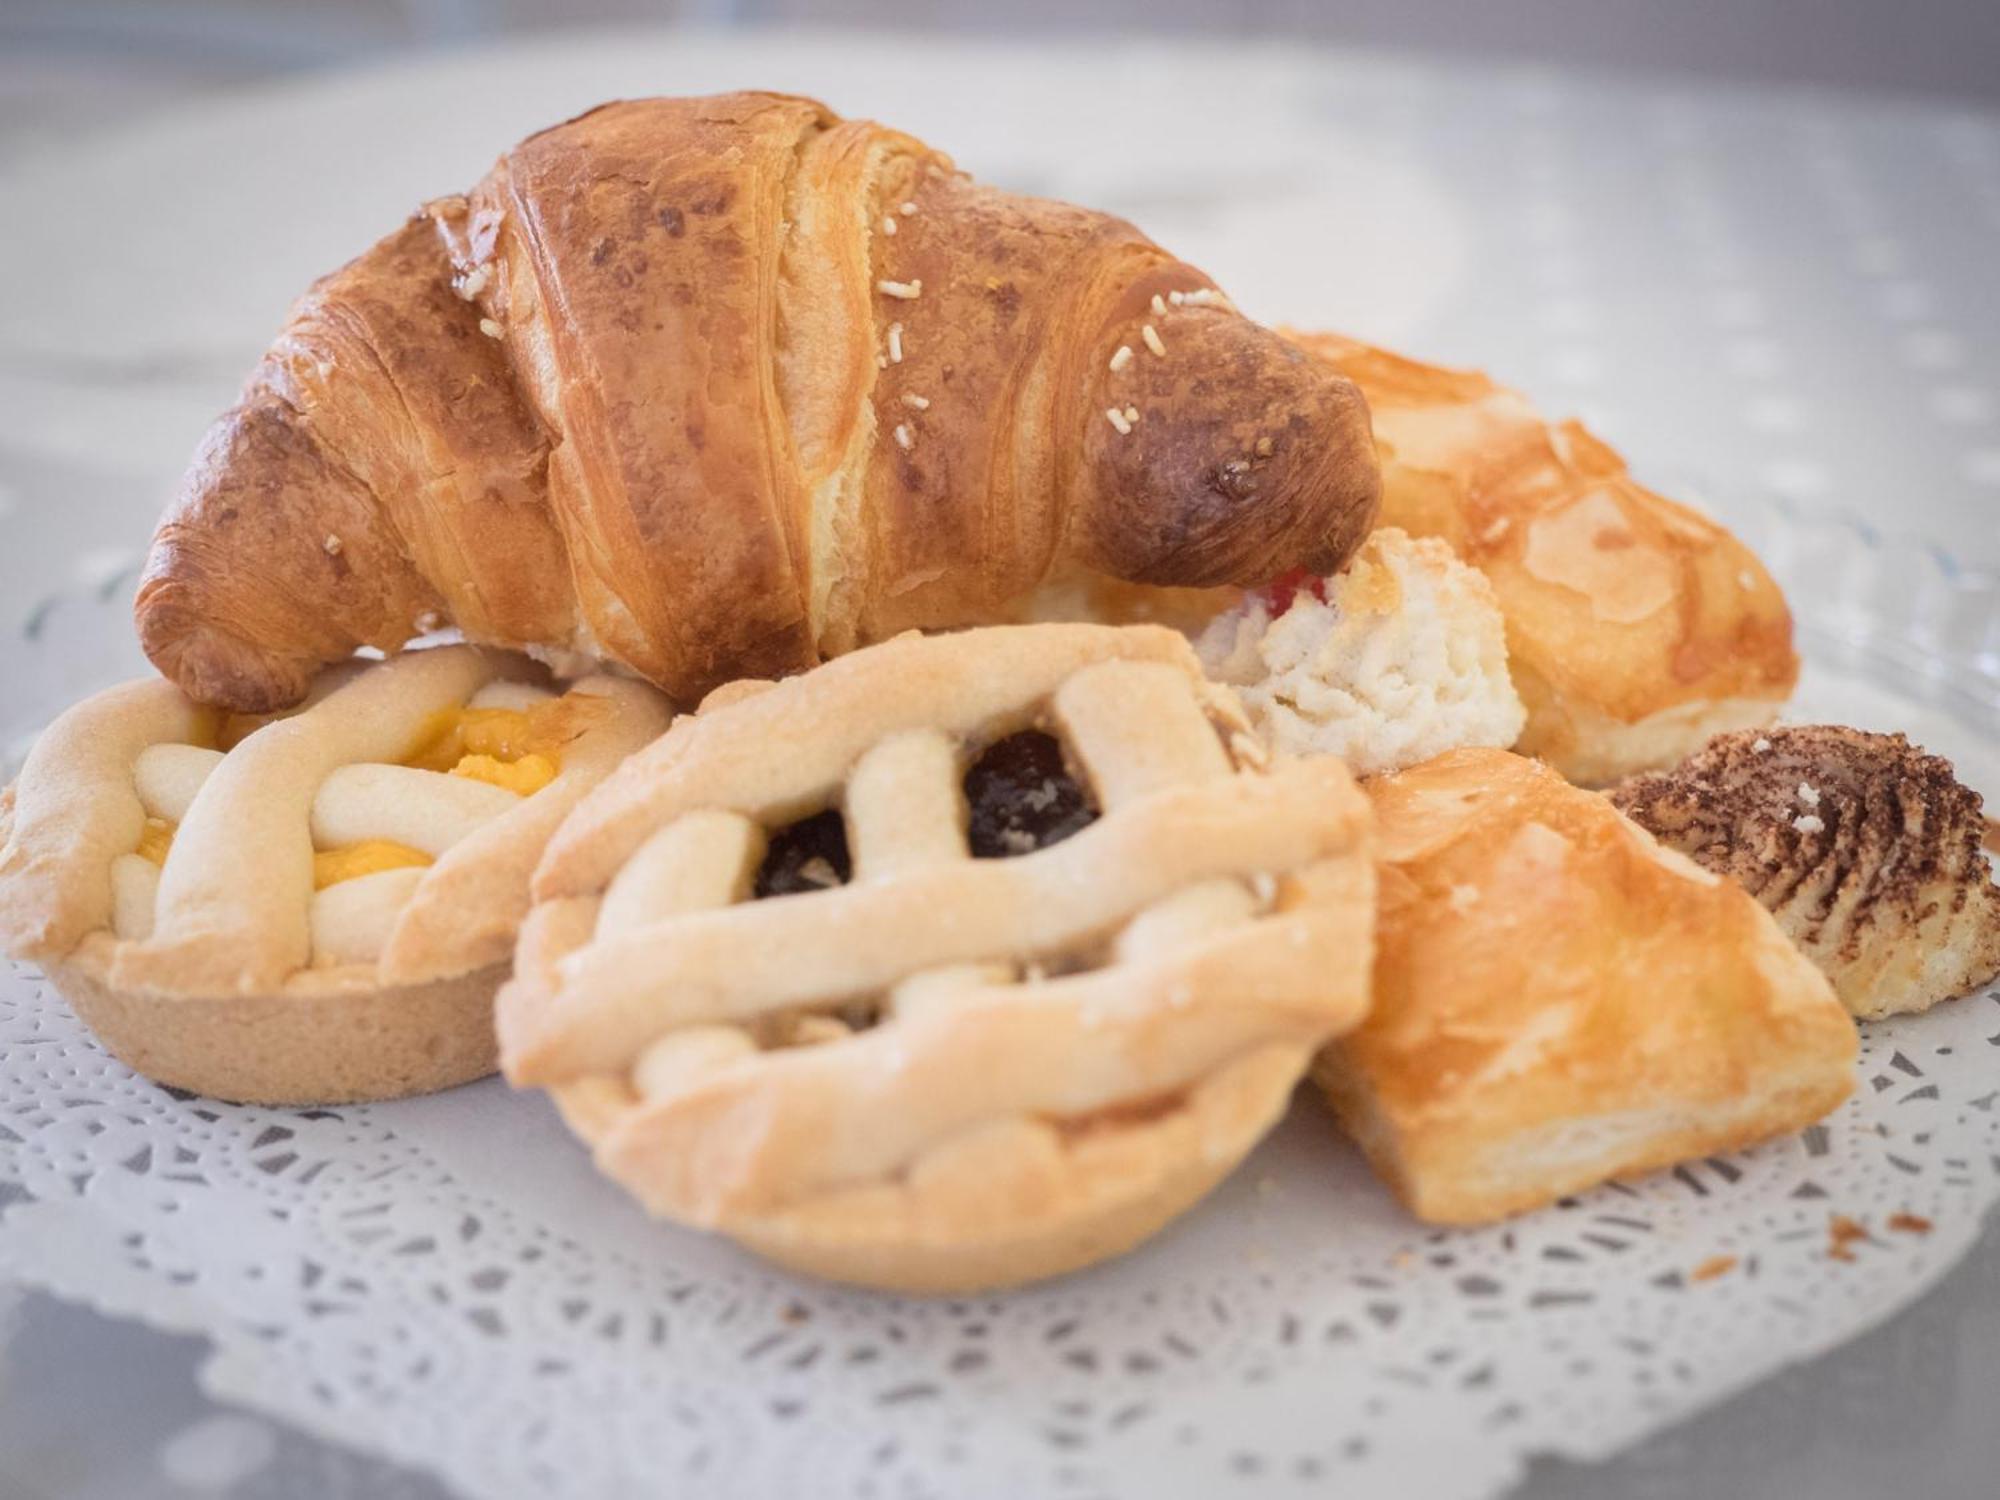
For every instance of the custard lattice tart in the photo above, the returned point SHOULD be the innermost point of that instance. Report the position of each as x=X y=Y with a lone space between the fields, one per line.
x=312 y=908
x=959 y=961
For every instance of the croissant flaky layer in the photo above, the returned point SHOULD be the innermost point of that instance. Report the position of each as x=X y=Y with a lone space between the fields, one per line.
x=716 y=387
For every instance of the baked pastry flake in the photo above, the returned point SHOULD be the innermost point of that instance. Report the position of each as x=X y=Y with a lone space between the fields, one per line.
x=1560 y=1000
x=1866 y=849
x=1044 y=945
x=309 y=909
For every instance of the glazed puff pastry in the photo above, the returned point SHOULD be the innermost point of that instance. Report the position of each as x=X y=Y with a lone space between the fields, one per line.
x=1559 y=1000
x=1636 y=627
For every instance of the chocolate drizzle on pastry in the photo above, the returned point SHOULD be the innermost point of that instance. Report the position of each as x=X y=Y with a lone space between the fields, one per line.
x=1865 y=848
x=1023 y=797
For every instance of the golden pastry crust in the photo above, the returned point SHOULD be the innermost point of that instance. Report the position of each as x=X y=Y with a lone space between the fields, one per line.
x=1636 y=627
x=718 y=387
x=1559 y=1000
x=169 y=888
x=948 y=1072
x=1866 y=850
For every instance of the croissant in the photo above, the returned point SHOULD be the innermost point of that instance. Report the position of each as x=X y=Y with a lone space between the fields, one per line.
x=714 y=388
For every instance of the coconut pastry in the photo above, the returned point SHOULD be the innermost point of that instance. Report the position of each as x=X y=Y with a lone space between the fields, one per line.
x=313 y=908
x=957 y=962
x=1560 y=1000
x=1866 y=850
x=1399 y=657
x=1636 y=627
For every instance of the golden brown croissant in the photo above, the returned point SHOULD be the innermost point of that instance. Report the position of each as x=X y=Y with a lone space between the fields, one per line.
x=715 y=387
x=1636 y=628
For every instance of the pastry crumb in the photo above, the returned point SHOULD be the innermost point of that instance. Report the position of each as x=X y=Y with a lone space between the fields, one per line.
x=1842 y=1234
x=1714 y=1266
x=1908 y=1223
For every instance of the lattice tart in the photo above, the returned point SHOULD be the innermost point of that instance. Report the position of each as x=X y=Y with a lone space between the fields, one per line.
x=311 y=908
x=959 y=961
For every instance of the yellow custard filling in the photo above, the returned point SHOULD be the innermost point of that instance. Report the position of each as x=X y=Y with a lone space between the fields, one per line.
x=369 y=857
x=519 y=750
x=156 y=839
x=516 y=748
x=525 y=776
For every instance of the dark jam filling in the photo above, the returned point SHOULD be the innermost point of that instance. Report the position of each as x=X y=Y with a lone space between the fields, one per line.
x=1023 y=798
x=809 y=855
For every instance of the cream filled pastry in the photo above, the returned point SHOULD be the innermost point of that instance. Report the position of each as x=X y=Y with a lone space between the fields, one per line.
x=1399 y=657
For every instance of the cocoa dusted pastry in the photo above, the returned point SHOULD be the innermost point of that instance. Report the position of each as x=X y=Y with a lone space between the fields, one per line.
x=1865 y=848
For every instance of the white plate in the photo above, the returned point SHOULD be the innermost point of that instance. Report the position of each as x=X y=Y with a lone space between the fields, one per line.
x=446 y=1282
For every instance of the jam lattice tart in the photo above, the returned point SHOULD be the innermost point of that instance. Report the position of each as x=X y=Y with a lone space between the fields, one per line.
x=1068 y=943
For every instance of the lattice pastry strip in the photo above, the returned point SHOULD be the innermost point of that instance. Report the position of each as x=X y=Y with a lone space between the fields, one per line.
x=1094 y=1031
x=284 y=908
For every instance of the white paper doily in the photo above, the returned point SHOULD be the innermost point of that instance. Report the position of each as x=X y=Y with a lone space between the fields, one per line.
x=445 y=1282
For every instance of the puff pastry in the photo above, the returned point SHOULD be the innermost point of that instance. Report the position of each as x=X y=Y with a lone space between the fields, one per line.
x=311 y=909
x=1559 y=1000
x=932 y=1066
x=1866 y=849
x=1636 y=628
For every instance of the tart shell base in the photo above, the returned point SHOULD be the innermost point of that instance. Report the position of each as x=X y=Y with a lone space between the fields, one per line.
x=340 y=1041
x=1012 y=1232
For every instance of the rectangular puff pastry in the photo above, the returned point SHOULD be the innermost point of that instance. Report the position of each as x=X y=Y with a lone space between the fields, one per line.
x=1559 y=1000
